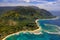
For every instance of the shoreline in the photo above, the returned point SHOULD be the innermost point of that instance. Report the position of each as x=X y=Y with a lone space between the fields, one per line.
x=37 y=31
x=51 y=18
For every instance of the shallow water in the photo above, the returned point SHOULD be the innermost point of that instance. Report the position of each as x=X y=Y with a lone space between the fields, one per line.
x=50 y=31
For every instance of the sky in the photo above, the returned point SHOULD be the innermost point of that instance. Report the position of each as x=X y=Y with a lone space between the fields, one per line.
x=45 y=4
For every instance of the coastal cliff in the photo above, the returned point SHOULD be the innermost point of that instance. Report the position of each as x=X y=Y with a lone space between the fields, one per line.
x=21 y=18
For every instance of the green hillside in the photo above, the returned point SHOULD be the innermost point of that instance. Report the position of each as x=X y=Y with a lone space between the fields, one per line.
x=21 y=18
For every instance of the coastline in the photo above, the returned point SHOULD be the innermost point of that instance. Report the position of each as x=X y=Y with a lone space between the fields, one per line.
x=51 y=18
x=37 y=31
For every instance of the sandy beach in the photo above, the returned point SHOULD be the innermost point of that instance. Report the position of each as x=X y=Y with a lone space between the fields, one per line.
x=37 y=31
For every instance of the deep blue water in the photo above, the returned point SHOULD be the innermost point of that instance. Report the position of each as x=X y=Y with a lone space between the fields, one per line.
x=50 y=27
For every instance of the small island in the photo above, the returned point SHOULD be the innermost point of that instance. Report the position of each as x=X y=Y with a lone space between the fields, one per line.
x=20 y=18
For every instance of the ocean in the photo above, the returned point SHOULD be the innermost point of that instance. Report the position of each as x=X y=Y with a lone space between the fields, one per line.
x=50 y=31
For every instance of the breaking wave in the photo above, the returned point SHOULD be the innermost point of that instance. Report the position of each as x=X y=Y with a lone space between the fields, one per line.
x=52 y=29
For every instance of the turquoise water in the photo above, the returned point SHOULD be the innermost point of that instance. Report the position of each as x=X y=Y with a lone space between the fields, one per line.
x=50 y=31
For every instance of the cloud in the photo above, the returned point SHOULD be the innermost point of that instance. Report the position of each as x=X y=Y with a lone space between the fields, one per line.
x=27 y=0
x=52 y=5
x=45 y=4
